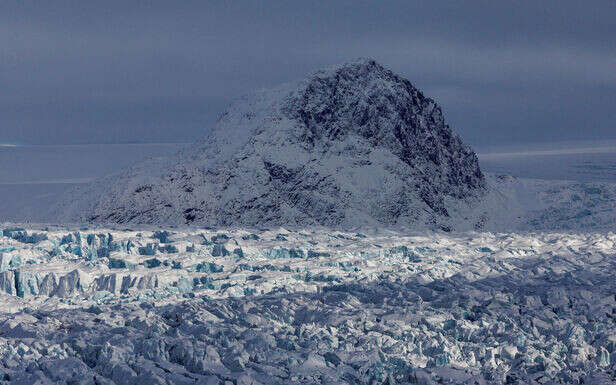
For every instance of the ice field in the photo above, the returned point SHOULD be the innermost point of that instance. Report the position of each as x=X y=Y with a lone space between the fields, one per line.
x=297 y=307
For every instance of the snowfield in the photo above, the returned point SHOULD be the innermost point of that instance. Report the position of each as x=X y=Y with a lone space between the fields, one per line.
x=277 y=306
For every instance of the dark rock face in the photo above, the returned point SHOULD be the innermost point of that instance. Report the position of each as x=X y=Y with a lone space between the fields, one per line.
x=365 y=99
x=351 y=145
x=369 y=101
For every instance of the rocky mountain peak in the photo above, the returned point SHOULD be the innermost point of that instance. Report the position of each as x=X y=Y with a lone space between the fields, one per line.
x=365 y=99
x=350 y=145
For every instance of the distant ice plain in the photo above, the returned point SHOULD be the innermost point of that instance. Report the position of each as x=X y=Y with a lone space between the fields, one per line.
x=34 y=176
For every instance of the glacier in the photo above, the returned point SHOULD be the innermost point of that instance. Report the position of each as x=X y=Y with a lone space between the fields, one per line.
x=309 y=306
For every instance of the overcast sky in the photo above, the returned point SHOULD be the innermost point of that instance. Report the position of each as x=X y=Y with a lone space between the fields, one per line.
x=160 y=71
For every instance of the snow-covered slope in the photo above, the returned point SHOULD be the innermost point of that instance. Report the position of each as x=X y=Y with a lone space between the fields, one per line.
x=350 y=145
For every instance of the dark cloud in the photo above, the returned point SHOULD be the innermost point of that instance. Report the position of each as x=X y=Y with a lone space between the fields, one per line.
x=521 y=71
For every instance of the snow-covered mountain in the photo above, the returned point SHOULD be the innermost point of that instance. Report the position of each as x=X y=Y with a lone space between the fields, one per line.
x=350 y=145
